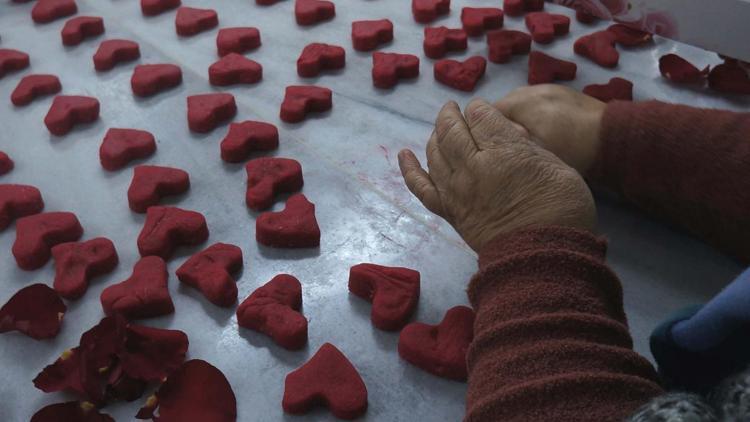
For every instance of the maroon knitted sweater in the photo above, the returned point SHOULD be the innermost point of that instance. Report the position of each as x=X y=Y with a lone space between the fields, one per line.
x=551 y=339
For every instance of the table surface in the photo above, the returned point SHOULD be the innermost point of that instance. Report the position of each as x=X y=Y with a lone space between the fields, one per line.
x=349 y=160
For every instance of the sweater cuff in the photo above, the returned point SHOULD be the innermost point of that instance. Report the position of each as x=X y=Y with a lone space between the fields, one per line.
x=619 y=122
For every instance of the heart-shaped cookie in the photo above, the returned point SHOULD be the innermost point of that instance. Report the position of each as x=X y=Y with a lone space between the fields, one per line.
x=294 y=227
x=143 y=295
x=463 y=76
x=393 y=291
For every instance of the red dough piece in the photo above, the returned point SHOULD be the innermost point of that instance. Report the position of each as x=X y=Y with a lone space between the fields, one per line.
x=438 y=41
x=460 y=75
x=6 y=165
x=151 y=79
x=440 y=349
x=121 y=146
x=237 y=40
x=268 y=177
x=37 y=234
x=152 y=183
x=519 y=7
x=12 y=60
x=234 y=69
x=393 y=291
x=615 y=89
x=547 y=69
x=599 y=47
x=316 y=57
x=629 y=37
x=46 y=11
x=36 y=311
x=679 y=70
x=476 y=20
x=195 y=392
x=191 y=21
x=545 y=26
x=18 y=201
x=585 y=17
x=206 y=111
x=273 y=309
x=504 y=43
x=166 y=228
x=388 y=68
x=76 y=263
x=294 y=227
x=729 y=77
x=328 y=378
x=310 y=12
x=157 y=7
x=78 y=28
x=426 y=11
x=300 y=100
x=71 y=411
x=69 y=110
x=210 y=271
x=367 y=35
x=143 y=295
x=33 y=86
x=246 y=137
x=112 y=52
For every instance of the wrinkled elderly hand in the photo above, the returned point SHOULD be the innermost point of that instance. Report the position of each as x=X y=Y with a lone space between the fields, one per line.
x=562 y=120
x=486 y=177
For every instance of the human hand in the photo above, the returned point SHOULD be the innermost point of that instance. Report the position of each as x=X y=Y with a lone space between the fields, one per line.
x=486 y=177
x=561 y=120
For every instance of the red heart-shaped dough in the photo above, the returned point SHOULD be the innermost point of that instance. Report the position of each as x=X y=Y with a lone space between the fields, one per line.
x=46 y=11
x=37 y=234
x=388 y=68
x=156 y=7
x=206 y=111
x=268 y=177
x=234 y=69
x=440 y=40
x=316 y=57
x=476 y=20
x=237 y=40
x=246 y=137
x=76 y=263
x=545 y=26
x=18 y=201
x=33 y=86
x=12 y=60
x=310 y=12
x=190 y=20
x=6 y=165
x=301 y=100
x=151 y=79
x=36 y=311
x=144 y=295
x=504 y=43
x=426 y=11
x=547 y=69
x=519 y=7
x=393 y=291
x=81 y=27
x=294 y=227
x=167 y=228
x=112 y=52
x=210 y=271
x=463 y=76
x=599 y=47
x=121 y=146
x=152 y=183
x=616 y=89
x=367 y=35
x=67 y=111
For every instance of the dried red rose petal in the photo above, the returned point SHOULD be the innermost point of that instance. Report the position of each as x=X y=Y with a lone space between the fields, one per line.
x=63 y=374
x=196 y=392
x=679 y=70
x=150 y=354
x=36 y=311
x=629 y=37
x=729 y=77
x=71 y=411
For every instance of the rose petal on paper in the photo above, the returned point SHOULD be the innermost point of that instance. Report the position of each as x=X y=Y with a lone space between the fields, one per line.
x=72 y=411
x=679 y=70
x=729 y=77
x=63 y=374
x=36 y=311
x=151 y=354
x=629 y=37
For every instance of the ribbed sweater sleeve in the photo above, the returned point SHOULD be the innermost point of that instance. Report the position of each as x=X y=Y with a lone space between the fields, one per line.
x=687 y=165
x=551 y=342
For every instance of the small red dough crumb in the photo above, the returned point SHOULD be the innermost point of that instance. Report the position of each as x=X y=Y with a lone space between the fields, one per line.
x=6 y=166
x=36 y=311
x=12 y=61
x=502 y=44
x=476 y=20
x=196 y=391
x=210 y=271
x=144 y=295
x=151 y=79
x=70 y=110
x=730 y=78
x=206 y=111
x=629 y=37
x=157 y=7
x=46 y=11
x=37 y=234
x=616 y=89
x=246 y=137
x=121 y=146
x=72 y=411
x=191 y=21
x=368 y=35
x=544 y=27
x=310 y=12
x=440 y=349
x=274 y=310
x=152 y=183
x=547 y=69
x=234 y=69
x=463 y=76
x=426 y=11
x=33 y=86
x=388 y=68
x=270 y=176
x=300 y=100
x=599 y=47
x=519 y=7
x=393 y=291
x=237 y=40
x=679 y=70
x=294 y=227
x=81 y=27
x=76 y=263
x=112 y=52
x=316 y=57
x=167 y=228
x=328 y=379
x=18 y=201
x=440 y=40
